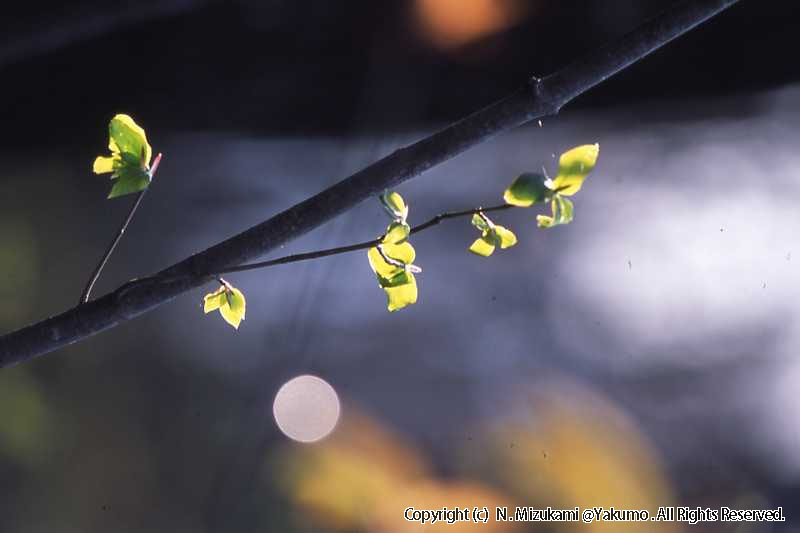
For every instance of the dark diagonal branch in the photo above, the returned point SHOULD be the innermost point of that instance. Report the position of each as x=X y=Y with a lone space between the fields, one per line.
x=536 y=99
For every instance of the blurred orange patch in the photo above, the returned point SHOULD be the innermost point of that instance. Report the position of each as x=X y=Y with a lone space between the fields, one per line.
x=567 y=446
x=364 y=477
x=450 y=24
x=581 y=450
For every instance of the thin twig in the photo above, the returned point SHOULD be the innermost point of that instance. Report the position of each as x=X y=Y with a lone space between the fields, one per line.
x=537 y=99
x=294 y=258
x=87 y=291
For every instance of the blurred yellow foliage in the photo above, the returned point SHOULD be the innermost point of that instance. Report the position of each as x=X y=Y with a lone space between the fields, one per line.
x=25 y=425
x=575 y=448
x=581 y=450
x=19 y=269
x=363 y=477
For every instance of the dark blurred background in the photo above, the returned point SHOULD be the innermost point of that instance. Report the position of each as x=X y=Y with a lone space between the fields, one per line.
x=283 y=67
x=645 y=355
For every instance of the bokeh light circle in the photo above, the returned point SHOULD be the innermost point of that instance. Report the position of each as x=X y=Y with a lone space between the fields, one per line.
x=306 y=408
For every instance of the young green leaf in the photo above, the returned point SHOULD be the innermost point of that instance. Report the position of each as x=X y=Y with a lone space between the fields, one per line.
x=130 y=180
x=394 y=205
x=392 y=264
x=506 y=236
x=401 y=290
x=392 y=260
x=129 y=162
x=234 y=311
x=214 y=300
x=526 y=190
x=230 y=302
x=484 y=245
x=491 y=237
x=573 y=167
x=481 y=222
x=562 y=210
x=396 y=233
x=399 y=257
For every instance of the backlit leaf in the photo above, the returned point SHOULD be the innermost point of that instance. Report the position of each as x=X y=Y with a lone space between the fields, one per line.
x=214 y=300
x=480 y=222
x=401 y=291
x=483 y=245
x=526 y=190
x=129 y=180
x=573 y=167
x=491 y=237
x=403 y=253
x=506 y=236
x=230 y=302
x=130 y=157
x=103 y=164
x=130 y=138
x=562 y=210
x=396 y=233
x=394 y=205
x=233 y=309
x=566 y=208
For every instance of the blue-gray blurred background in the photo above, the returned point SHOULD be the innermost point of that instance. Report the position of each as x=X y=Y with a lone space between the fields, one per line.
x=646 y=355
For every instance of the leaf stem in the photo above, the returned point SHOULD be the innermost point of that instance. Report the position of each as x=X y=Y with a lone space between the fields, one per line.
x=87 y=291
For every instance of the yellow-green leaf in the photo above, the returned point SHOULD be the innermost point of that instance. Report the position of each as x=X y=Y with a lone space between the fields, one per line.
x=130 y=179
x=403 y=252
x=214 y=300
x=491 y=237
x=573 y=167
x=130 y=157
x=401 y=291
x=394 y=205
x=562 y=210
x=506 y=237
x=396 y=233
x=103 y=164
x=566 y=208
x=483 y=245
x=129 y=138
x=480 y=222
x=233 y=309
x=526 y=190
x=230 y=302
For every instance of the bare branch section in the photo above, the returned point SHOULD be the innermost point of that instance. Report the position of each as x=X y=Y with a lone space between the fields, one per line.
x=538 y=98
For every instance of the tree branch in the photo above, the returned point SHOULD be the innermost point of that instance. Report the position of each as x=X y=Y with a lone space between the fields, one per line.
x=536 y=99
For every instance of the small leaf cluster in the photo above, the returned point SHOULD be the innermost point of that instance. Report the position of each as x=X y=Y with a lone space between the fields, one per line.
x=529 y=189
x=392 y=260
x=229 y=301
x=129 y=163
x=492 y=236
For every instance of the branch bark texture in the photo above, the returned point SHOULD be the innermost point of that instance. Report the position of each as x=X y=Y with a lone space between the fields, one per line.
x=536 y=99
